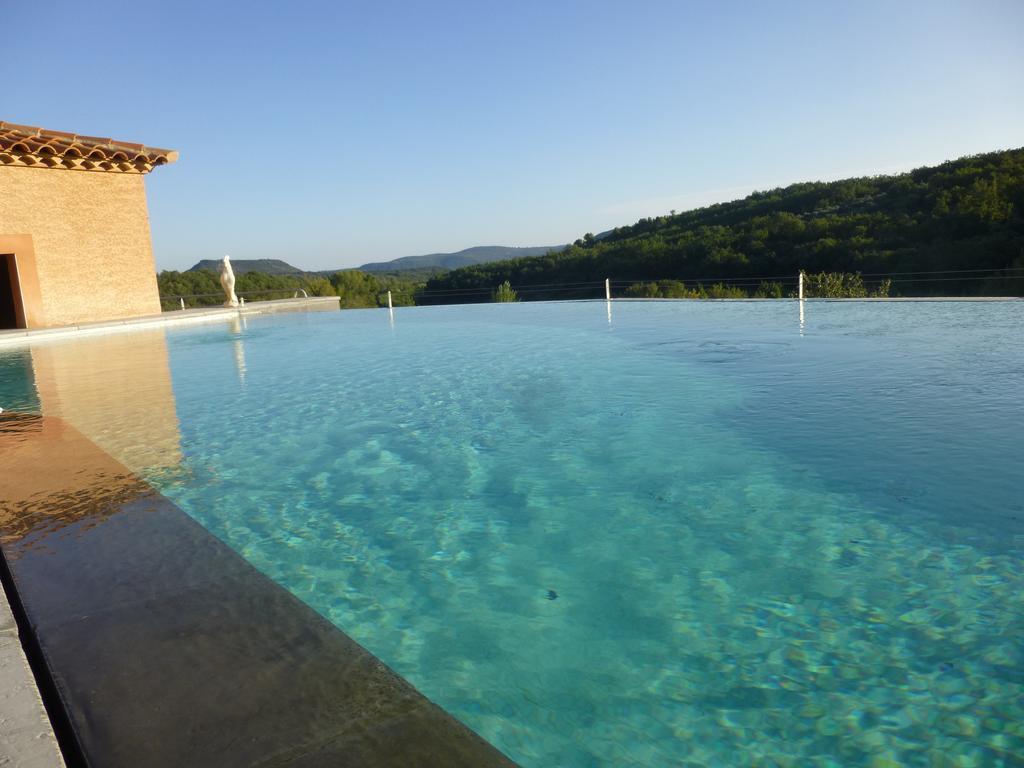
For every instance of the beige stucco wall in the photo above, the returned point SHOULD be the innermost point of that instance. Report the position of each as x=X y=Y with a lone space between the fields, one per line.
x=93 y=253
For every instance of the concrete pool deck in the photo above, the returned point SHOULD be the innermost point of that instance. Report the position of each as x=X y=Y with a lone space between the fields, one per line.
x=157 y=645
x=21 y=336
x=26 y=736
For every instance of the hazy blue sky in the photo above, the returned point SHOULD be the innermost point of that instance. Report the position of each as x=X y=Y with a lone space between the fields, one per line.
x=334 y=133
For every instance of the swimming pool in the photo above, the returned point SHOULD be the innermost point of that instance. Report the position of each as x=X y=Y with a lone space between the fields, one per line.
x=700 y=533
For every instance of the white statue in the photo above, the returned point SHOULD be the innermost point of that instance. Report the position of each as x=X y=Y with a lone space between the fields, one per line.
x=227 y=282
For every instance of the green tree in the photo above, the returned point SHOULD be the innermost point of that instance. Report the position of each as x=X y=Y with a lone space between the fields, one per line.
x=834 y=285
x=720 y=291
x=357 y=289
x=504 y=293
x=320 y=286
x=772 y=290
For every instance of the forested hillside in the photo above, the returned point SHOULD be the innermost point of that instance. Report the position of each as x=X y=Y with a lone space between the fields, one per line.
x=967 y=214
x=201 y=288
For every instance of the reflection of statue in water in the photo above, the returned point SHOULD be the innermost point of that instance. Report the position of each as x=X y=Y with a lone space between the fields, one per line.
x=227 y=282
x=237 y=325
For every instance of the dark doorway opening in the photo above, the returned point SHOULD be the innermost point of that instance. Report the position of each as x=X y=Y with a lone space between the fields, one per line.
x=10 y=294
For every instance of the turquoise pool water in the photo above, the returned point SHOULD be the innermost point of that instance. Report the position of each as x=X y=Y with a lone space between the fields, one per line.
x=699 y=534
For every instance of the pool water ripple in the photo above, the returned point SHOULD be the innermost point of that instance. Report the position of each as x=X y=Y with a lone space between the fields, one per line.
x=758 y=553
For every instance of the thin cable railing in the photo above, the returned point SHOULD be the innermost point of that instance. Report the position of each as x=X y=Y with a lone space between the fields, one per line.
x=869 y=284
x=755 y=282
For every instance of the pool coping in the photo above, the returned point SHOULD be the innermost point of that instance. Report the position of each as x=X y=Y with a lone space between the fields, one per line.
x=22 y=336
x=154 y=644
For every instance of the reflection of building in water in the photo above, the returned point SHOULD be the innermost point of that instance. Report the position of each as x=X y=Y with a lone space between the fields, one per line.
x=81 y=484
x=116 y=390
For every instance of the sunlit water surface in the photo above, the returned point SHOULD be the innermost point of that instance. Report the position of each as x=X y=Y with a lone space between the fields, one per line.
x=696 y=535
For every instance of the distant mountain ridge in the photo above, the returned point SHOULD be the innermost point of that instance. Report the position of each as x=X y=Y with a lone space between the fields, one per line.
x=241 y=266
x=480 y=254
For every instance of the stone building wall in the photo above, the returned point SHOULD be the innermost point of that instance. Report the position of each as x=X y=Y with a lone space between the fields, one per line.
x=90 y=231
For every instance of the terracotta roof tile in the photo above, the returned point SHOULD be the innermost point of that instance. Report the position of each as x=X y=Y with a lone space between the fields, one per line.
x=28 y=145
